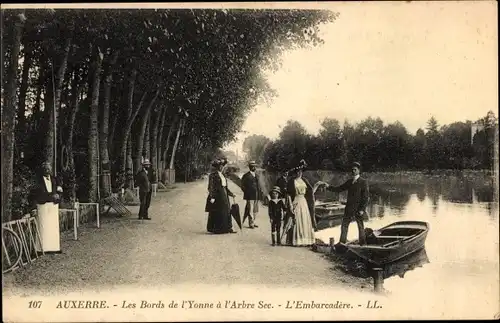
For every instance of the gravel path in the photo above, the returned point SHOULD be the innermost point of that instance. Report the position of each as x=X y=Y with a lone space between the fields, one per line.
x=173 y=248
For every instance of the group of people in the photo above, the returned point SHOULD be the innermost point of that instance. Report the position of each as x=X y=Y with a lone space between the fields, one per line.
x=291 y=204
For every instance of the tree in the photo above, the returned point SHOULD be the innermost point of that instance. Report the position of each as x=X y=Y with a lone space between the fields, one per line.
x=9 y=115
x=433 y=146
x=254 y=147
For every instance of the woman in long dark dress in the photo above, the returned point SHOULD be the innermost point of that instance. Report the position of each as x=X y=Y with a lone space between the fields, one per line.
x=217 y=205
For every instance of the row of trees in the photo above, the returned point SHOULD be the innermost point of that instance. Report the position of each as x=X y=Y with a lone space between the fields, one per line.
x=109 y=87
x=380 y=147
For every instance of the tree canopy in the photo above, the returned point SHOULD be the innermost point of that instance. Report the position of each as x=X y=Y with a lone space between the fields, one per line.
x=385 y=147
x=125 y=84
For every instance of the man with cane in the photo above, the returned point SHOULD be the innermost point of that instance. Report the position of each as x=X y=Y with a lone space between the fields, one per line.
x=250 y=187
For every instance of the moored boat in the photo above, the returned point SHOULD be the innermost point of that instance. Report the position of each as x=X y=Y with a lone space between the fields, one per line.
x=390 y=243
x=329 y=210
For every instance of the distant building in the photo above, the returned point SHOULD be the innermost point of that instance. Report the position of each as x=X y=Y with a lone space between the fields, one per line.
x=477 y=127
x=474 y=129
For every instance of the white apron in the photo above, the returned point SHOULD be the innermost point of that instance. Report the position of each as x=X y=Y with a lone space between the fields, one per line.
x=48 y=222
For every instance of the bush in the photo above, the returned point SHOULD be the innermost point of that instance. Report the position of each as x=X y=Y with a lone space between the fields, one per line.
x=24 y=183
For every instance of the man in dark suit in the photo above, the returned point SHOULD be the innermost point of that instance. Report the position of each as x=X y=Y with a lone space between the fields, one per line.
x=47 y=197
x=282 y=183
x=357 y=201
x=251 y=193
x=144 y=180
x=48 y=187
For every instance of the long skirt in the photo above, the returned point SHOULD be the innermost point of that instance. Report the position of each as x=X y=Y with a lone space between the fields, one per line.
x=48 y=221
x=302 y=233
x=219 y=219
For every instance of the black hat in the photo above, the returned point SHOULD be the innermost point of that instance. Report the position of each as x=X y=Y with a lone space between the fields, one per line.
x=216 y=162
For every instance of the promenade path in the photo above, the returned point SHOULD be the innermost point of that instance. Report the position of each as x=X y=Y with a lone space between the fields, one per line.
x=173 y=248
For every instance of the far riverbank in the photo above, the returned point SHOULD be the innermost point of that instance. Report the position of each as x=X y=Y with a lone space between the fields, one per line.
x=477 y=179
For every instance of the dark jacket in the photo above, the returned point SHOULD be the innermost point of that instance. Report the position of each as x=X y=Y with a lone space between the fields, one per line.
x=218 y=192
x=357 y=195
x=309 y=198
x=250 y=186
x=276 y=209
x=282 y=184
x=41 y=195
x=144 y=181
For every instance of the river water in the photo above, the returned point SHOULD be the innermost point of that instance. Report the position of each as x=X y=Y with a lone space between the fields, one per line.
x=460 y=262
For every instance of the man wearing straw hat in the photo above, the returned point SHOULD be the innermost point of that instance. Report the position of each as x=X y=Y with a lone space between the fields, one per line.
x=144 y=179
x=251 y=193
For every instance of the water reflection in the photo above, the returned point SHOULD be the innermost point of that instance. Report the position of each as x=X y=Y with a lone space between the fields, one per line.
x=393 y=199
x=351 y=265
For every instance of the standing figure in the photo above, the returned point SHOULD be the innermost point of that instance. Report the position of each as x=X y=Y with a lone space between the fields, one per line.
x=282 y=183
x=47 y=199
x=357 y=201
x=251 y=193
x=276 y=209
x=300 y=207
x=144 y=180
x=217 y=205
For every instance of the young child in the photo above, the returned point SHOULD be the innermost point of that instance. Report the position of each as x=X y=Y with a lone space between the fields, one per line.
x=276 y=208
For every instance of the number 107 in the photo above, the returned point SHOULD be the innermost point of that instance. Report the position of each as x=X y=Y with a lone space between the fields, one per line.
x=35 y=304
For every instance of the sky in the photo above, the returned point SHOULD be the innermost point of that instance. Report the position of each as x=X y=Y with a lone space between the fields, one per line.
x=397 y=61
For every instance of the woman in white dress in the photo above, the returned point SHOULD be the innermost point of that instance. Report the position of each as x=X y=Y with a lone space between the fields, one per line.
x=300 y=205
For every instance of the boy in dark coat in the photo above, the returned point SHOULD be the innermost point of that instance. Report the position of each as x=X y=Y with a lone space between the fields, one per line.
x=276 y=208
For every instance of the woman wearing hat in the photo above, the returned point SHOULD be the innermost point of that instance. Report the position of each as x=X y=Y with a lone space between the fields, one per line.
x=300 y=208
x=276 y=208
x=217 y=205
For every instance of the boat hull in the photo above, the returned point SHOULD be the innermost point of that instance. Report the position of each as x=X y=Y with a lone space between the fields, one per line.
x=388 y=246
x=328 y=211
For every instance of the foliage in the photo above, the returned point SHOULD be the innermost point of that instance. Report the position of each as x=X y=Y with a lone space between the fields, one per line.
x=206 y=63
x=254 y=146
x=22 y=197
x=384 y=147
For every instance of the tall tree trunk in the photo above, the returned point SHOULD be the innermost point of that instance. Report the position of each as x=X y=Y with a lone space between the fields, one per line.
x=142 y=130
x=9 y=120
x=111 y=135
x=147 y=142
x=176 y=143
x=159 y=137
x=129 y=170
x=70 y=178
x=123 y=144
x=166 y=146
x=104 y=129
x=55 y=87
x=38 y=100
x=93 y=153
x=21 y=118
x=154 y=139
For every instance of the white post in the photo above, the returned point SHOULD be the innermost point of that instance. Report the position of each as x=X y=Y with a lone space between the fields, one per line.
x=98 y=220
x=75 y=225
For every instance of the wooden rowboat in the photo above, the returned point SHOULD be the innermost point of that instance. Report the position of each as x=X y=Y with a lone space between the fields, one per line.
x=328 y=210
x=390 y=243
